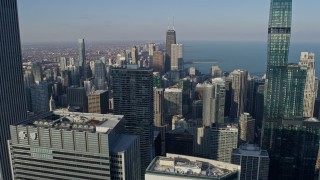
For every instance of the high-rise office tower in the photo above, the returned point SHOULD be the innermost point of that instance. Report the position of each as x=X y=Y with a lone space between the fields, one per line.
x=158 y=62
x=82 y=59
x=208 y=104
x=77 y=99
x=151 y=48
x=63 y=64
x=13 y=105
x=254 y=162
x=246 y=128
x=40 y=97
x=158 y=107
x=66 y=145
x=134 y=55
x=37 y=72
x=133 y=97
x=170 y=39
x=185 y=84
x=216 y=71
x=310 y=92
x=259 y=106
x=197 y=108
x=223 y=139
x=176 y=57
x=28 y=78
x=292 y=142
x=279 y=33
x=98 y=102
x=100 y=75
x=159 y=121
x=172 y=103
x=253 y=83
x=239 y=80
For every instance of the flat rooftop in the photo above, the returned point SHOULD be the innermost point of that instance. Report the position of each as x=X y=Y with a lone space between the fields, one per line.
x=62 y=119
x=98 y=92
x=250 y=150
x=200 y=168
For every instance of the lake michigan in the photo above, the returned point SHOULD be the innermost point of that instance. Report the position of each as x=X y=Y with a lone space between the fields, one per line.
x=250 y=56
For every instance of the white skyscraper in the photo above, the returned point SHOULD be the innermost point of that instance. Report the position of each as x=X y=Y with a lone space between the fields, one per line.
x=307 y=59
x=239 y=80
x=176 y=56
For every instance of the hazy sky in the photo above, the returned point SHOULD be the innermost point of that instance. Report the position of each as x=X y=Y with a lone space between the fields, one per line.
x=106 y=20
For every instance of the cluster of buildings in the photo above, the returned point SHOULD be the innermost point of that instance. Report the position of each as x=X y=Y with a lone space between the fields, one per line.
x=144 y=116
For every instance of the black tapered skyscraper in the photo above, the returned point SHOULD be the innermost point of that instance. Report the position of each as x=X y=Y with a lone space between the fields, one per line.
x=12 y=96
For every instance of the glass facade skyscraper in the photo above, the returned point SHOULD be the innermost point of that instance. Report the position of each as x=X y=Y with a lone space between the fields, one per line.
x=279 y=33
x=292 y=142
x=133 y=97
x=13 y=107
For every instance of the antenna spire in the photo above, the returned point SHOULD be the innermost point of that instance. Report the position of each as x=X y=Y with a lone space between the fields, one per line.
x=173 y=23
x=168 y=24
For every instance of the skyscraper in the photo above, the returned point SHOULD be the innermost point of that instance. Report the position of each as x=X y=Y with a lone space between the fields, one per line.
x=279 y=33
x=100 y=75
x=158 y=62
x=13 y=107
x=223 y=139
x=311 y=89
x=82 y=59
x=239 y=80
x=133 y=97
x=176 y=57
x=134 y=55
x=208 y=104
x=247 y=128
x=170 y=39
x=292 y=143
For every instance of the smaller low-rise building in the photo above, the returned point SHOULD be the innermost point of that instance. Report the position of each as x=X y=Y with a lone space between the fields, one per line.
x=176 y=167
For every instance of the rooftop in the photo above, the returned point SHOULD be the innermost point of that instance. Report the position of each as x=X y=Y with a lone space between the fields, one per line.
x=250 y=150
x=98 y=92
x=74 y=121
x=200 y=168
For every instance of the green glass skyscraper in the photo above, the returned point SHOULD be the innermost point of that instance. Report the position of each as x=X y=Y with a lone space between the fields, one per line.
x=292 y=142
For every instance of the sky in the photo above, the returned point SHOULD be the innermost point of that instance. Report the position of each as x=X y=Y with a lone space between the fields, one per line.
x=122 y=20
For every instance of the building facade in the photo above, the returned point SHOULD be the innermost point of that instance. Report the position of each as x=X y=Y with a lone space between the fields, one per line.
x=176 y=57
x=67 y=145
x=13 y=106
x=239 y=80
x=307 y=59
x=223 y=140
x=133 y=97
x=170 y=39
x=98 y=102
x=247 y=128
x=158 y=62
x=254 y=162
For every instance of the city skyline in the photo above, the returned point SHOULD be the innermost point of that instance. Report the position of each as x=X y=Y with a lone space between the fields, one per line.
x=104 y=20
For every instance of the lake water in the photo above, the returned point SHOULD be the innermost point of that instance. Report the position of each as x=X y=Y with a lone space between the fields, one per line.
x=251 y=56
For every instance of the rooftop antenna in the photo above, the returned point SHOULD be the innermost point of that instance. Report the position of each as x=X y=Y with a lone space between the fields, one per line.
x=168 y=24
x=173 y=23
